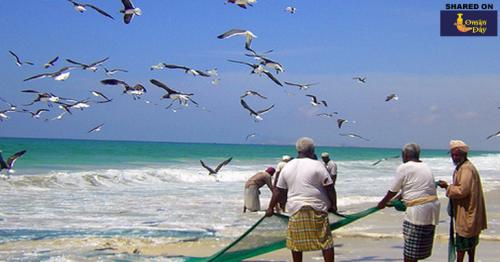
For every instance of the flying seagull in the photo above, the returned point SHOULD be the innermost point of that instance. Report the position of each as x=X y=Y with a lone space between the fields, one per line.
x=99 y=94
x=10 y=161
x=252 y=93
x=91 y=67
x=51 y=62
x=213 y=172
x=291 y=9
x=43 y=97
x=341 y=121
x=383 y=159
x=18 y=61
x=360 y=79
x=136 y=91
x=79 y=7
x=497 y=134
x=158 y=66
x=258 y=69
x=59 y=75
x=186 y=69
x=37 y=113
x=249 y=36
x=95 y=129
x=267 y=62
x=327 y=114
x=391 y=97
x=252 y=135
x=172 y=94
x=300 y=86
x=111 y=72
x=12 y=107
x=242 y=3
x=352 y=135
x=129 y=11
x=255 y=114
x=315 y=102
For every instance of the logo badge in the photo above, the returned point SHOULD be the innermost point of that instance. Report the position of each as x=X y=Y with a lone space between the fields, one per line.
x=468 y=23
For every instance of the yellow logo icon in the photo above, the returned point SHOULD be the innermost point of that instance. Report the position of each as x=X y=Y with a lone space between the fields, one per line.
x=460 y=24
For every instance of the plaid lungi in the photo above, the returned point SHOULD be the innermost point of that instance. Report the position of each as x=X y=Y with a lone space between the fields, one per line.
x=418 y=240
x=308 y=230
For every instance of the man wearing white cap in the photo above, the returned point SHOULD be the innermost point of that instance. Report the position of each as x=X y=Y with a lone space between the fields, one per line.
x=467 y=201
x=330 y=166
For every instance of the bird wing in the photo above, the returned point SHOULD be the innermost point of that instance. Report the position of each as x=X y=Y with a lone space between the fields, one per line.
x=223 y=164
x=241 y=62
x=51 y=62
x=127 y=4
x=36 y=77
x=292 y=84
x=127 y=18
x=96 y=93
x=162 y=85
x=245 y=105
x=176 y=66
x=315 y=100
x=99 y=62
x=231 y=33
x=340 y=122
x=114 y=82
x=15 y=56
x=493 y=135
x=259 y=95
x=324 y=102
x=76 y=63
x=13 y=158
x=275 y=80
x=265 y=110
x=95 y=128
x=99 y=10
x=3 y=165
x=201 y=73
x=378 y=161
x=210 y=170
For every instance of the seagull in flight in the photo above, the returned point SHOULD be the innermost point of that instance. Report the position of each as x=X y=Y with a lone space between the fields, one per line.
x=360 y=79
x=242 y=3
x=136 y=91
x=158 y=66
x=51 y=62
x=101 y=95
x=18 y=61
x=259 y=69
x=186 y=69
x=95 y=129
x=497 y=134
x=291 y=9
x=301 y=86
x=252 y=93
x=91 y=67
x=315 y=102
x=129 y=11
x=267 y=62
x=249 y=36
x=10 y=161
x=79 y=7
x=327 y=114
x=59 y=75
x=252 y=135
x=352 y=135
x=383 y=159
x=255 y=114
x=172 y=94
x=111 y=72
x=43 y=97
x=391 y=97
x=213 y=172
x=37 y=113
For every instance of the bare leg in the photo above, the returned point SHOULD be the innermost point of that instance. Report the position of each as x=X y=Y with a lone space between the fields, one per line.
x=329 y=255
x=460 y=256
x=471 y=253
x=297 y=256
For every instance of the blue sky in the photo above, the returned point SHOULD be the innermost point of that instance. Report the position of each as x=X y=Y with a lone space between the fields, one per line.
x=448 y=86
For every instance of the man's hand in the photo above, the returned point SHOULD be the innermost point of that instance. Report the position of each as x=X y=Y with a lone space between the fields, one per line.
x=442 y=184
x=333 y=209
x=269 y=212
x=381 y=205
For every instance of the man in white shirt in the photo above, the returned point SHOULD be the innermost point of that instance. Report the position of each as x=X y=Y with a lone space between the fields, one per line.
x=330 y=166
x=415 y=183
x=310 y=195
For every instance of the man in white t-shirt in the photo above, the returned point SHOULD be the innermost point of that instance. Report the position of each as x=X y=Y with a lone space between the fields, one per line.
x=330 y=166
x=415 y=183
x=310 y=195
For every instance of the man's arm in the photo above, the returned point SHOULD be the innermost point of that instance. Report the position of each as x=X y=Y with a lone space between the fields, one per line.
x=332 y=196
x=390 y=195
x=277 y=193
x=462 y=188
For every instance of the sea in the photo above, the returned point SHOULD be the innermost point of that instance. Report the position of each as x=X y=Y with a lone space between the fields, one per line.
x=89 y=190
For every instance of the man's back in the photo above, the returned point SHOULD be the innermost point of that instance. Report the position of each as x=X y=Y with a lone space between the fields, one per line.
x=305 y=178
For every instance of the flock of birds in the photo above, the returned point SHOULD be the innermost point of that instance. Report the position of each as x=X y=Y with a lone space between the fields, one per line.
x=262 y=64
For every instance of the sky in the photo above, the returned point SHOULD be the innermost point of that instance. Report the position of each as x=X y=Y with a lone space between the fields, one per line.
x=448 y=87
